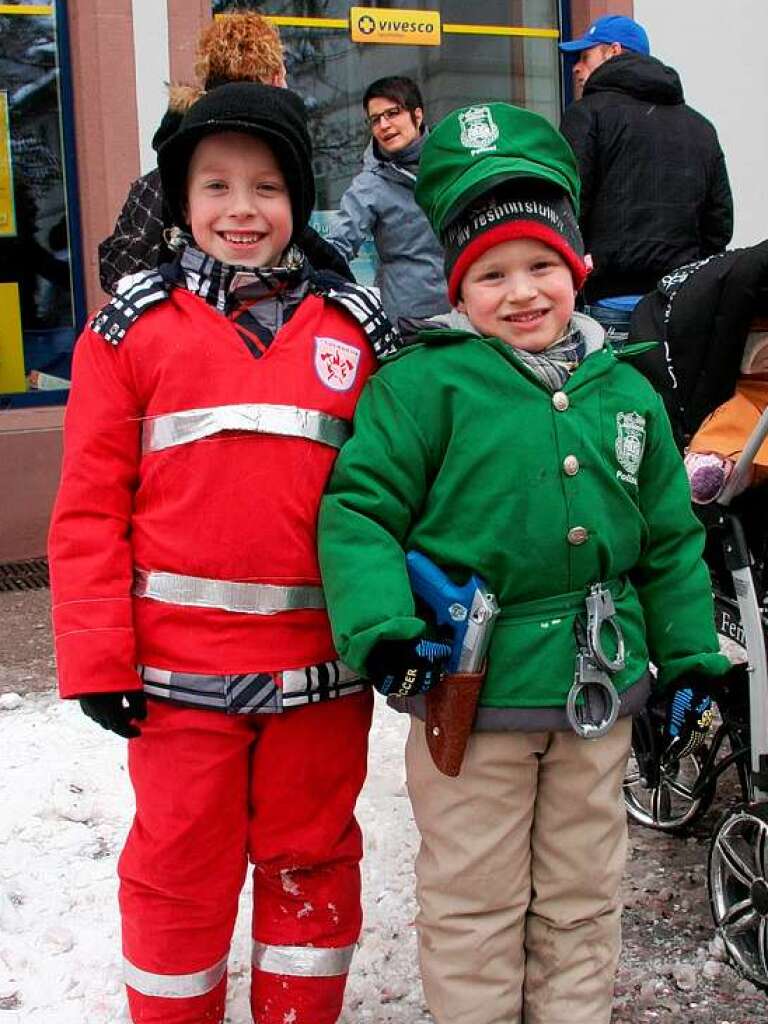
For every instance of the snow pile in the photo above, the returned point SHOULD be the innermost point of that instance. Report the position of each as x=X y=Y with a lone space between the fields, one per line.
x=66 y=807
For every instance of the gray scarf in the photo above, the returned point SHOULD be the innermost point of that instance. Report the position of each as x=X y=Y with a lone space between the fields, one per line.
x=554 y=365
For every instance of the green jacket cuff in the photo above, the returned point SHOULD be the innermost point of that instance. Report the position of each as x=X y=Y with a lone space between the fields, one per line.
x=708 y=664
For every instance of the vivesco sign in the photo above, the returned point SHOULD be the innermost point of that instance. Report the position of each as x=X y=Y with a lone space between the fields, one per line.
x=391 y=25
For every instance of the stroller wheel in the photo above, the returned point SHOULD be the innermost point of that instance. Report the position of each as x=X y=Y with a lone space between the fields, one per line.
x=668 y=804
x=738 y=888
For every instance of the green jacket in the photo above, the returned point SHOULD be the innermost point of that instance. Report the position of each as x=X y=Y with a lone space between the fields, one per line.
x=461 y=452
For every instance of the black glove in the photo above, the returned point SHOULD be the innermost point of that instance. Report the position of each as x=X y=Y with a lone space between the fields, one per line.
x=402 y=668
x=116 y=711
x=689 y=717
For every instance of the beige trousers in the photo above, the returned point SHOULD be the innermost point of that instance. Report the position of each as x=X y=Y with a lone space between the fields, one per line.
x=518 y=876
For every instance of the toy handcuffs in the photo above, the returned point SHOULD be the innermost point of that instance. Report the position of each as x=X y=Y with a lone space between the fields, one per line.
x=592 y=706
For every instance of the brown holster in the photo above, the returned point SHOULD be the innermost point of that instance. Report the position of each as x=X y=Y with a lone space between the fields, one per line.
x=451 y=710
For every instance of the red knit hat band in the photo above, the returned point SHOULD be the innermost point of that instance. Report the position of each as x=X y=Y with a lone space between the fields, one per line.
x=506 y=232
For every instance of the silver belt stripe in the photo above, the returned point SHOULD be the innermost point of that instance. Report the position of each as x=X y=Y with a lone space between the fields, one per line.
x=302 y=961
x=174 y=986
x=248 y=598
x=177 y=428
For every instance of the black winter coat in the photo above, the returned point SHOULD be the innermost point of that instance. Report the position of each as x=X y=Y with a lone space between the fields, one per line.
x=655 y=190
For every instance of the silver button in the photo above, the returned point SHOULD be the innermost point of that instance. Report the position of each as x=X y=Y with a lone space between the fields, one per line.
x=436 y=730
x=577 y=535
x=561 y=401
x=571 y=465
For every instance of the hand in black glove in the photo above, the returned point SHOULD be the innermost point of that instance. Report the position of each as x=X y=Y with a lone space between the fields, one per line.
x=689 y=717
x=116 y=711
x=402 y=668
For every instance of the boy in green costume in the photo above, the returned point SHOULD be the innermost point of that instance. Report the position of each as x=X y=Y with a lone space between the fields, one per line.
x=510 y=441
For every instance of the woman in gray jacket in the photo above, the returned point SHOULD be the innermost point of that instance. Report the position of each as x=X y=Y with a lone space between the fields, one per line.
x=379 y=202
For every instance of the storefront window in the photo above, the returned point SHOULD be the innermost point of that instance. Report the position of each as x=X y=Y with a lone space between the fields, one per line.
x=482 y=56
x=37 y=298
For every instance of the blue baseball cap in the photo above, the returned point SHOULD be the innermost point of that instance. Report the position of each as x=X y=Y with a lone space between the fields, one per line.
x=613 y=28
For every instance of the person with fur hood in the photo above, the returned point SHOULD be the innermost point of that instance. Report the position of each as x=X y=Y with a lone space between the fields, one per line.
x=238 y=47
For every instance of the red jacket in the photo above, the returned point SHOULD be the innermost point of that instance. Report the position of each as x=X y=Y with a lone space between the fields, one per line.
x=235 y=505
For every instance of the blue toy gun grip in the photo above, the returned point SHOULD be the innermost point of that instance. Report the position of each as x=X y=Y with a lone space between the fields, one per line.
x=434 y=588
x=449 y=603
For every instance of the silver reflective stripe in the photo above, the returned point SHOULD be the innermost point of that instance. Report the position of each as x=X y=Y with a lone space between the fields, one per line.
x=250 y=598
x=287 y=420
x=302 y=961
x=174 y=986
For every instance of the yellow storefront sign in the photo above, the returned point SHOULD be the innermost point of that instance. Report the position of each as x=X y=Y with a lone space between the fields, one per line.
x=11 y=344
x=394 y=25
x=7 y=215
x=347 y=24
x=34 y=9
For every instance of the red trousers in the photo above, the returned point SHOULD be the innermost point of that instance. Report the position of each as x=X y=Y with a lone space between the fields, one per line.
x=212 y=792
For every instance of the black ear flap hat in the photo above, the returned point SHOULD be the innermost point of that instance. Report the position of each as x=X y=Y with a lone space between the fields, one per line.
x=277 y=116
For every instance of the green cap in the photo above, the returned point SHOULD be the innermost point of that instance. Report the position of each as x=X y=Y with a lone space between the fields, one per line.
x=478 y=148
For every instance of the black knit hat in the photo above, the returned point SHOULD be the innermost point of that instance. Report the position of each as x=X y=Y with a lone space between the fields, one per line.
x=277 y=116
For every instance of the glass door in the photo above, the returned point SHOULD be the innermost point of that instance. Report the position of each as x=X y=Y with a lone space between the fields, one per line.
x=39 y=294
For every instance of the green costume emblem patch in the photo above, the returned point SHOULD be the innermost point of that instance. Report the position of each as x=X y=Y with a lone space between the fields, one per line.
x=630 y=445
x=479 y=131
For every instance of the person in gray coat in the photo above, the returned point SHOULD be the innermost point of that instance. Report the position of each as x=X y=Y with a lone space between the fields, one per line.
x=379 y=202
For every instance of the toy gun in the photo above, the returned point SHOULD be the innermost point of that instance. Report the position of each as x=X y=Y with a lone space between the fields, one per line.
x=469 y=612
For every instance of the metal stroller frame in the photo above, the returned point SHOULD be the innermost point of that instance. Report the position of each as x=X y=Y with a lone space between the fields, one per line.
x=671 y=796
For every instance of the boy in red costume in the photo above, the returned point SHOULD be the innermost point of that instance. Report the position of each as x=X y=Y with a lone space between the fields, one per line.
x=209 y=400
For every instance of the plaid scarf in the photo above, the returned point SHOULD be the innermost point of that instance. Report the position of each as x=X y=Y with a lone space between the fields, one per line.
x=217 y=284
x=554 y=365
x=259 y=304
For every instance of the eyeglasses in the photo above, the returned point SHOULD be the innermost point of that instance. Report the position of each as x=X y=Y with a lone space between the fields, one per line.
x=390 y=114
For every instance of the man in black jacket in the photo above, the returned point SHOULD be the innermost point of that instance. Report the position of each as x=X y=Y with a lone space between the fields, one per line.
x=655 y=190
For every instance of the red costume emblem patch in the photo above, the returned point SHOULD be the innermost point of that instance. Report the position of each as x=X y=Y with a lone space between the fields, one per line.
x=336 y=363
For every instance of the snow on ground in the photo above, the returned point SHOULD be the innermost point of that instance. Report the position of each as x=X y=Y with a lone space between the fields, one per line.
x=65 y=807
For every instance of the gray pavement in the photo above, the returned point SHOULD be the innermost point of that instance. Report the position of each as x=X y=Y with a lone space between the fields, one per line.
x=26 y=647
